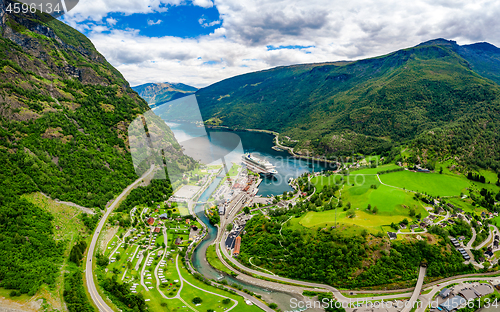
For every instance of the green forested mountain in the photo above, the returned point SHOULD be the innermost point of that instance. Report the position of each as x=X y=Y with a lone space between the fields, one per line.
x=64 y=115
x=437 y=96
x=158 y=93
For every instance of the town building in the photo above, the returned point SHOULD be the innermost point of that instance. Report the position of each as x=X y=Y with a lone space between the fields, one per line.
x=453 y=303
x=445 y=292
x=237 y=244
x=163 y=216
x=468 y=294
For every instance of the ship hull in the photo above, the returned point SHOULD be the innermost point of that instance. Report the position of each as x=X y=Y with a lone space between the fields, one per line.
x=256 y=168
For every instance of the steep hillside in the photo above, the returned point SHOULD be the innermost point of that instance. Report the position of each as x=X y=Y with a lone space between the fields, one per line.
x=371 y=105
x=157 y=93
x=484 y=59
x=64 y=114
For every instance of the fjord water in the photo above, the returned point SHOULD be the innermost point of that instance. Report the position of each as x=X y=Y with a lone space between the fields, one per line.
x=260 y=144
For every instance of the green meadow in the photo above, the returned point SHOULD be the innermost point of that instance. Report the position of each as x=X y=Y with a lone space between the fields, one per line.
x=375 y=170
x=371 y=222
x=434 y=184
x=321 y=181
x=496 y=221
x=393 y=198
x=466 y=205
x=393 y=204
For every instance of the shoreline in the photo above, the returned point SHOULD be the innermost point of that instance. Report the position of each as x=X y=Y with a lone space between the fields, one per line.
x=278 y=145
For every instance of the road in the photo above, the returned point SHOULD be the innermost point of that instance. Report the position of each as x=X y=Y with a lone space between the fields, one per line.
x=493 y=230
x=338 y=295
x=416 y=292
x=143 y=271
x=471 y=241
x=89 y=276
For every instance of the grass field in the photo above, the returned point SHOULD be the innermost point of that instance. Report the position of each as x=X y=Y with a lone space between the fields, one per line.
x=182 y=209
x=68 y=229
x=214 y=260
x=375 y=170
x=121 y=265
x=392 y=203
x=496 y=221
x=372 y=223
x=466 y=206
x=321 y=181
x=431 y=183
x=490 y=176
x=234 y=170
x=358 y=180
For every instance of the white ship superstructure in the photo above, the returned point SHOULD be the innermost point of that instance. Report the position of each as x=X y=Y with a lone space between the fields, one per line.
x=259 y=165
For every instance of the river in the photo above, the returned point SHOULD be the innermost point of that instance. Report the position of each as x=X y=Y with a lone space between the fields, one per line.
x=260 y=144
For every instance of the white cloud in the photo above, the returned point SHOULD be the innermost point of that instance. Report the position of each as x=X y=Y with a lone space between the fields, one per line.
x=96 y=10
x=98 y=28
x=111 y=21
x=336 y=30
x=151 y=22
x=204 y=24
x=203 y=3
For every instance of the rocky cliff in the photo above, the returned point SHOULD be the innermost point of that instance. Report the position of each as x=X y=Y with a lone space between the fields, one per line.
x=158 y=93
x=2 y=13
x=64 y=114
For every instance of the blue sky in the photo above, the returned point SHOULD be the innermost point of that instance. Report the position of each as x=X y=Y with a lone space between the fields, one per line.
x=200 y=42
x=186 y=21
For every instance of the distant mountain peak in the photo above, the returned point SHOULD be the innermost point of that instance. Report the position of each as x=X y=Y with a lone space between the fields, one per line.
x=156 y=93
x=438 y=41
x=483 y=46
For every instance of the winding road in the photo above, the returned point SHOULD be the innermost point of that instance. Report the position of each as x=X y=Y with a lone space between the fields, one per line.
x=89 y=276
x=489 y=239
x=338 y=295
x=473 y=238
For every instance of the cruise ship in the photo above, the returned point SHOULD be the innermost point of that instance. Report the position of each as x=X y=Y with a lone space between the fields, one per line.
x=259 y=165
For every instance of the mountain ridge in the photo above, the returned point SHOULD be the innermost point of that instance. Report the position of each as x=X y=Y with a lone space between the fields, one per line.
x=386 y=101
x=160 y=92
